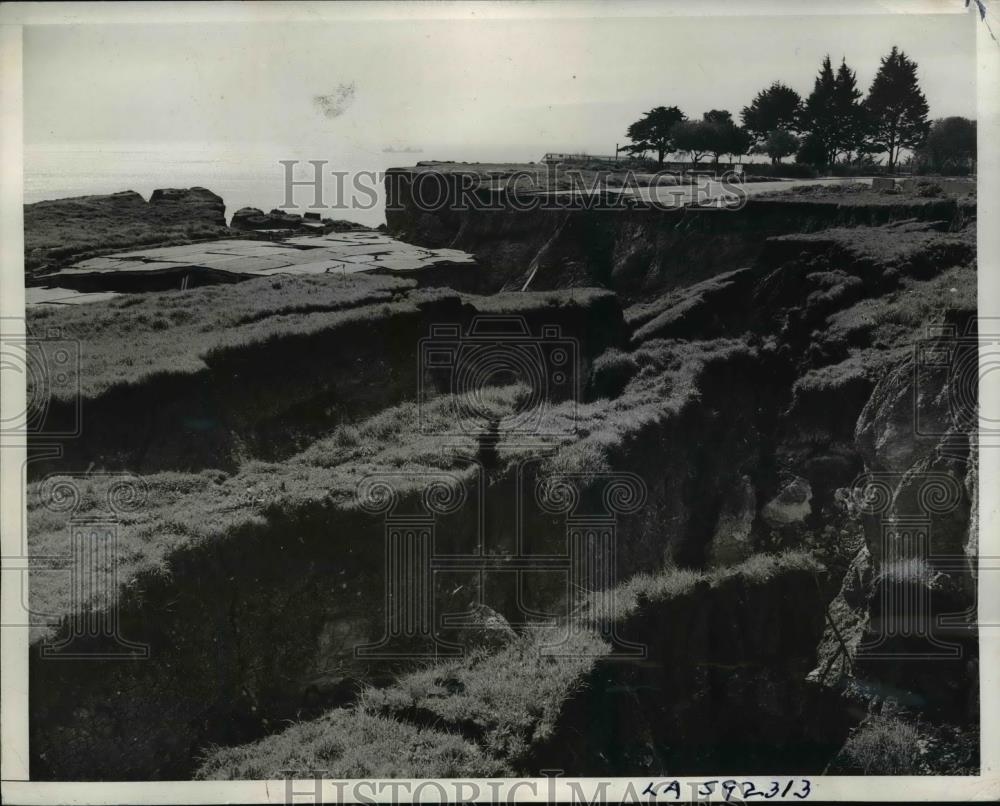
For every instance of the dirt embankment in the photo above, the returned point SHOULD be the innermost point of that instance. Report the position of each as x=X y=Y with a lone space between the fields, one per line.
x=637 y=251
x=762 y=420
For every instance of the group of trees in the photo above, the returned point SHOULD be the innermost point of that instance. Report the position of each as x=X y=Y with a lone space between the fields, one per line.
x=834 y=123
x=665 y=130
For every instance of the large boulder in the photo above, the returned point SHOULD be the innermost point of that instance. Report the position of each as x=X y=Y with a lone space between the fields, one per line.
x=195 y=205
x=248 y=218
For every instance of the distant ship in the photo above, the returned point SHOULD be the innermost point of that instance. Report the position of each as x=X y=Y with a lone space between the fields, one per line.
x=406 y=150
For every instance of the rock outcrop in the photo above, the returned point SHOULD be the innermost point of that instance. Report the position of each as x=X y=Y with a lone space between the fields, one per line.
x=251 y=218
x=63 y=231
x=187 y=205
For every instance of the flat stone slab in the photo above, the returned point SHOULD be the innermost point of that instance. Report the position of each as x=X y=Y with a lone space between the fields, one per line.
x=334 y=252
x=63 y=296
x=402 y=263
x=319 y=267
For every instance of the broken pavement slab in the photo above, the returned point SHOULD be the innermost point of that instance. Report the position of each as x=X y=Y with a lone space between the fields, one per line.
x=63 y=296
x=213 y=261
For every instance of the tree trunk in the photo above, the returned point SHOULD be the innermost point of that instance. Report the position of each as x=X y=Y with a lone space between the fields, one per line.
x=892 y=149
x=660 y=154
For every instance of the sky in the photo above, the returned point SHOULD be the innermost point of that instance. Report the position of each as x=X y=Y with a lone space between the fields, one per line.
x=547 y=84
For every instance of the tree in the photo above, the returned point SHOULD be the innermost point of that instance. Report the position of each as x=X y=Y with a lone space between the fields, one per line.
x=812 y=151
x=652 y=131
x=779 y=143
x=896 y=107
x=833 y=115
x=950 y=146
x=776 y=108
x=742 y=142
x=721 y=134
x=818 y=118
x=848 y=136
x=693 y=136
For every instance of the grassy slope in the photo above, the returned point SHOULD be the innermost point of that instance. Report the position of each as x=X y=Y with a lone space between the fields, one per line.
x=488 y=710
x=182 y=509
x=860 y=193
x=879 y=331
x=127 y=339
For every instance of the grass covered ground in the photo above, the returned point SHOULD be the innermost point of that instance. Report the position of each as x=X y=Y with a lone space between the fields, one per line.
x=183 y=509
x=127 y=339
x=910 y=192
x=132 y=337
x=481 y=715
x=871 y=294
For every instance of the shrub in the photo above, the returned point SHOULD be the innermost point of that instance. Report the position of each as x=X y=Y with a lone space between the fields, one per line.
x=883 y=746
x=783 y=171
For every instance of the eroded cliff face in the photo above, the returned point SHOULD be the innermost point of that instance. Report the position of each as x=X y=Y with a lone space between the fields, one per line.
x=797 y=451
x=636 y=250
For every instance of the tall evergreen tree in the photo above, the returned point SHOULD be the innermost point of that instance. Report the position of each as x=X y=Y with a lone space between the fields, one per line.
x=819 y=116
x=851 y=124
x=775 y=108
x=897 y=109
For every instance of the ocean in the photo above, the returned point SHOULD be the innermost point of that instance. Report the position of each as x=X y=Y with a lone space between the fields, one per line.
x=244 y=176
